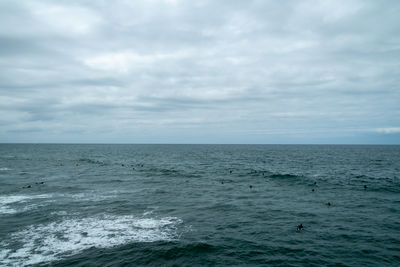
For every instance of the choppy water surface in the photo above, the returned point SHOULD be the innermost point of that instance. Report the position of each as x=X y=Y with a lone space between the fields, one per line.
x=110 y=205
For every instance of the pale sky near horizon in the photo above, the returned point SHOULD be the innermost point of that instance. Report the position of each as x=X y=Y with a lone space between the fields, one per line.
x=174 y=71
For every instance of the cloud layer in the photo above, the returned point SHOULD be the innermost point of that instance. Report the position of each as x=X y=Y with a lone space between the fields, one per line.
x=174 y=71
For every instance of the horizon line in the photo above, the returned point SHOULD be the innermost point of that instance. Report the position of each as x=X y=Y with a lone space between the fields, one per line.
x=85 y=143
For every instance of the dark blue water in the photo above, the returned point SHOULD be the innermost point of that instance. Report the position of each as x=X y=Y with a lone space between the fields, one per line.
x=111 y=205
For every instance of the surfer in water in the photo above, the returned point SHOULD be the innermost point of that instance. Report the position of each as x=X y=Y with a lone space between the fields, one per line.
x=300 y=227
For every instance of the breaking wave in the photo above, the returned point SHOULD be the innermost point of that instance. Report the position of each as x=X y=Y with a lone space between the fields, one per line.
x=56 y=240
x=7 y=203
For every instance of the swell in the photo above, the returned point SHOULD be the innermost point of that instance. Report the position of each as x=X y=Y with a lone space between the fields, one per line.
x=91 y=161
x=168 y=172
x=284 y=176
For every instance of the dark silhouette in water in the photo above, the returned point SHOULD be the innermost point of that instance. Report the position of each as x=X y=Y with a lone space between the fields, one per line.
x=312 y=190
x=222 y=182
x=28 y=186
x=250 y=186
x=365 y=186
x=300 y=227
x=230 y=171
x=329 y=204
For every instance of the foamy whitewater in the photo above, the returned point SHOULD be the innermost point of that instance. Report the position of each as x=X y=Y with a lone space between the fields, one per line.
x=49 y=242
x=117 y=205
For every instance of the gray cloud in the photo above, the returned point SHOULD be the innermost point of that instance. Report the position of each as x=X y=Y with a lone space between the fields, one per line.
x=200 y=71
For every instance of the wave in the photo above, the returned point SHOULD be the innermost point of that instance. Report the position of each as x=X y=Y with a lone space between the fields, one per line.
x=5 y=169
x=378 y=183
x=91 y=161
x=284 y=175
x=193 y=249
x=111 y=181
x=88 y=196
x=50 y=242
x=7 y=202
x=174 y=173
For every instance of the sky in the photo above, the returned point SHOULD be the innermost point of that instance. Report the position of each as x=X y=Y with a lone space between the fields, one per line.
x=175 y=71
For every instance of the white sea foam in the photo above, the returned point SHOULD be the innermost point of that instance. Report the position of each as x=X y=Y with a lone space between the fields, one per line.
x=5 y=169
x=148 y=213
x=92 y=196
x=7 y=202
x=44 y=243
x=11 y=204
x=59 y=213
x=87 y=196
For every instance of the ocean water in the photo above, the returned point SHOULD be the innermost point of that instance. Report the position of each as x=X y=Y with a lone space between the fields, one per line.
x=199 y=205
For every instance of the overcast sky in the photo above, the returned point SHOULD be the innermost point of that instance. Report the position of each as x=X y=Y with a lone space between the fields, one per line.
x=175 y=71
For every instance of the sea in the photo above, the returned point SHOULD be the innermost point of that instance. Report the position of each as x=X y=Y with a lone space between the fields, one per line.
x=199 y=205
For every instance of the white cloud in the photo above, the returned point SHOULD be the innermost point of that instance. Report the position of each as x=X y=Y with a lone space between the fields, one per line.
x=72 y=19
x=159 y=65
x=388 y=130
x=124 y=61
